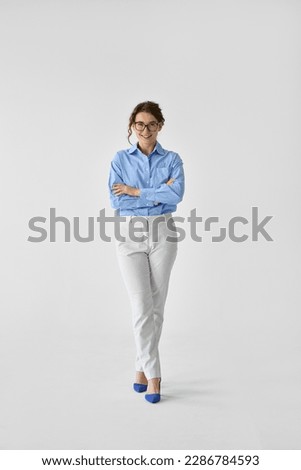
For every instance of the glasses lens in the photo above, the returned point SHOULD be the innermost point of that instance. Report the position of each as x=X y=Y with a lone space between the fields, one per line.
x=139 y=126
x=153 y=126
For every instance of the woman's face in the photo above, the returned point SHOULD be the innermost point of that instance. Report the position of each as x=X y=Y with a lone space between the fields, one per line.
x=148 y=135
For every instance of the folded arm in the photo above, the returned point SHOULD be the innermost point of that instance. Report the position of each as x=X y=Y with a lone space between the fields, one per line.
x=121 y=196
x=170 y=192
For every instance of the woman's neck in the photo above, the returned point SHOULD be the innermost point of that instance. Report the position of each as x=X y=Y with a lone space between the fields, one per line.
x=147 y=150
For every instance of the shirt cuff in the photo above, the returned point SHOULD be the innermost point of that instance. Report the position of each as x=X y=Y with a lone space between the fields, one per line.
x=147 y=196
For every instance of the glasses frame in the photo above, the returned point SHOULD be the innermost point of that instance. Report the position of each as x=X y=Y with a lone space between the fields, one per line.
x=146 y=126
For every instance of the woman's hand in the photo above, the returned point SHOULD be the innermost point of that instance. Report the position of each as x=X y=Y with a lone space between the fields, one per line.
x=120 y=188
x=170 y=181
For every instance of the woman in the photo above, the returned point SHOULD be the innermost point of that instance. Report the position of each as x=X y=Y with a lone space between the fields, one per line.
x=146 y=183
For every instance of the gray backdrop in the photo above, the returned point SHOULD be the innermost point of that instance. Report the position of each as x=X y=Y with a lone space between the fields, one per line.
x=227 y=76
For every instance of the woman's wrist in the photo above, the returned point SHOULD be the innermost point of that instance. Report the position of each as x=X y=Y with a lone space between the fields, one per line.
x=134 y=191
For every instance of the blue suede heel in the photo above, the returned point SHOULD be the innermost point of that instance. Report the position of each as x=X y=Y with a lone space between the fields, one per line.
x=139 y=387
x=153 y=397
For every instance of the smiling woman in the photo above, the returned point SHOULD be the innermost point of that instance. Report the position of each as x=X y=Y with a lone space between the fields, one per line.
x=147 y=181
x=154 y=121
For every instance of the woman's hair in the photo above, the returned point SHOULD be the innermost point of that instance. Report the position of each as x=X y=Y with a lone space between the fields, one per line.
x=147 y=107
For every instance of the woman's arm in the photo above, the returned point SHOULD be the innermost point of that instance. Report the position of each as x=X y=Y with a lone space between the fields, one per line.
x=123 y=196
x=169 y=192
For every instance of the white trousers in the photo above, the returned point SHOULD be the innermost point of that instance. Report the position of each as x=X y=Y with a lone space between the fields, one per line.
x=146 y=266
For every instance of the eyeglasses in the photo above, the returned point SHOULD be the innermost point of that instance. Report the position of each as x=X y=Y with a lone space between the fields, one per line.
x=140 y=126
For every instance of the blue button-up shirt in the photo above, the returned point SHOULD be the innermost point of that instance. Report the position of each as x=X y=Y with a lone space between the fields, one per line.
x=149 y=174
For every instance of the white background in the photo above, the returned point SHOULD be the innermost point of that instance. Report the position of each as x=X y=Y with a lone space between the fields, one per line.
x=227 y=76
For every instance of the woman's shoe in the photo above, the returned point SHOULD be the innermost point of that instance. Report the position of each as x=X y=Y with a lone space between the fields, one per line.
x=139 y=387
x=153 y=397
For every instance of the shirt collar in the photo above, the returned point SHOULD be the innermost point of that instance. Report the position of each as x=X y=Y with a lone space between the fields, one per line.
x=158 y=148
